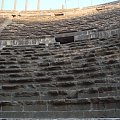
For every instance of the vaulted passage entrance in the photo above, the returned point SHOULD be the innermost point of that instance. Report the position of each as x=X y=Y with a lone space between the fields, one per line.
x=64 y=40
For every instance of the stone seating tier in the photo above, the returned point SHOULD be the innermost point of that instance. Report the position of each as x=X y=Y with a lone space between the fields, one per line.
x=31 y=30
x=79 y=79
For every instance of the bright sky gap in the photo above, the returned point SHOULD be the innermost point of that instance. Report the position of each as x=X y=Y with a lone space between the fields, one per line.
x=52 y=4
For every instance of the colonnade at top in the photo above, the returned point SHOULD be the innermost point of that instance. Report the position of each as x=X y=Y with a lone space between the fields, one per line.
x=15 y=5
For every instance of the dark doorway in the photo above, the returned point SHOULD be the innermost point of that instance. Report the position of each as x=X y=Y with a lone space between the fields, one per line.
x=64 y=40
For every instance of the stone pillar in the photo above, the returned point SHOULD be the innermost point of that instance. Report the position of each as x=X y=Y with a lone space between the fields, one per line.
x=2 y=5
x=38 y=5
x=15 y=4
x=78 y=3
x=66 y=4
x=26 y=5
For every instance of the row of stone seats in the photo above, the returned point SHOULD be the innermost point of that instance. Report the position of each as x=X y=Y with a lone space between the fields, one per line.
x=78 y=78
x=19 y=29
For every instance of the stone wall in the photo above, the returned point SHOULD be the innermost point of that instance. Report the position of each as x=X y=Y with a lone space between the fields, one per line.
x=75 y=80
x=46 y=41
x=98 y=34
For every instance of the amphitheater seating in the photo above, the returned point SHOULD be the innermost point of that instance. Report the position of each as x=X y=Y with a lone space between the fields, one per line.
x=80 y=79
x=30 y=27
x=75 y=79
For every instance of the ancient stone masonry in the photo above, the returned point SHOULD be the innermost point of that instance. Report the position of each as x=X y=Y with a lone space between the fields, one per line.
x=75 y=80
x=30 y=26
x=43 y=79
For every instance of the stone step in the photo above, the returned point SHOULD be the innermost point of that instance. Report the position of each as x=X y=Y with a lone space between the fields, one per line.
x=111 y=114
x=84 y=104
x=4 y=71
x=11 y=92
x=62 y=119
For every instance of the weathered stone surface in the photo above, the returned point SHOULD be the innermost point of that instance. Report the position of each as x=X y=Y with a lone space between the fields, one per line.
x=65 y=78
x=40 y=78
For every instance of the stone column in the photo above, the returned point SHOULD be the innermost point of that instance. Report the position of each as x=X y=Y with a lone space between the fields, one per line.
x=38 y=5
x=2 y=5
x=78 y=3
x=66 y=4
x=15 y=4
x=26 y=5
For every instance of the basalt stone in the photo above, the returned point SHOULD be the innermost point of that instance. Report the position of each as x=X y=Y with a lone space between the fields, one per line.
x=6 y=53
x=91 y=55
x=111 y=61
x=86 y=83
x=2 y=59
x=72 y=94
x=61 y=63
x=92 y=90
x=65 y=84
x=109 y=100
x=85 y=65
x=77 y=71
x=35 y=106
x=14 y=66
x=52 y=68
x=13 y=59
x=104 y=100
x=109 y=52
x=42 y=54
x=6 y=103
x=78 y=57
x=100 y=81
x=10 y=71
x=90 y=69
x=26 y=94
x=2 y=67
x=104 y=89
x=44 y=64
x=27 y=56
x=5 y=96
x=29 y=52
x=70 y=102
x=57 y=92
x=97 y=75
x=22 y=80
x=15 y=75
x=91 y=59
x=10 y=87
x=43 y=79
x=23 y=62
x=40 y=74
x=7 y=62
x=13 y=106
x=40 y=102
x=59 y=56
x=58 y=102
x=65 y=78
x=34 y=57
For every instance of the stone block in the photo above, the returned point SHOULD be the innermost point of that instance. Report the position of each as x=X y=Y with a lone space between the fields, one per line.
x=100 y=114
x=35 y=106
x=65 y=78
x=58 y=114
x=5 y=96
x=26 y=96
x=11 y=106
x=43 y=79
